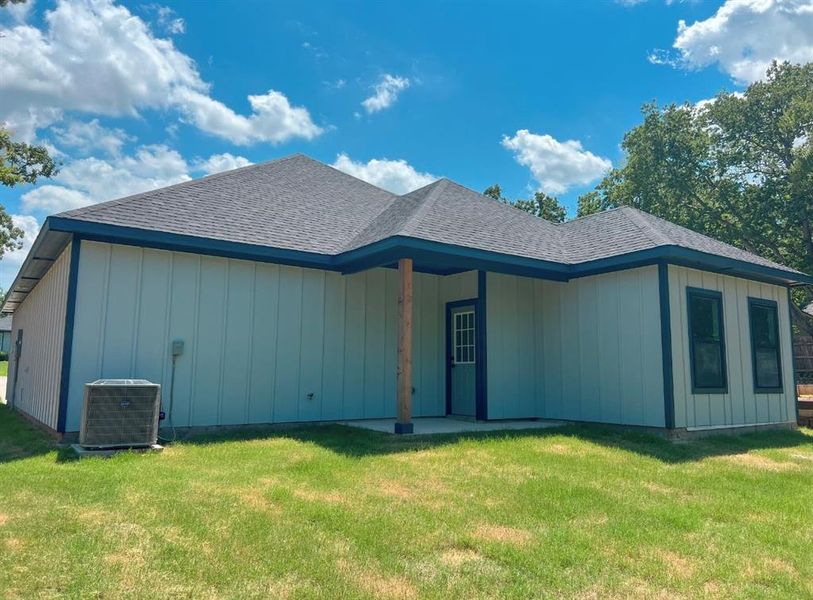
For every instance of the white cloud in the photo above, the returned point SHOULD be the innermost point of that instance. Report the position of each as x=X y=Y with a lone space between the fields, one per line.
x=49 y=199
x=273 y=119
x=95 y=57
x=90 y=180
x=169 y=22
x=744 y=36
x=18 y=13
x=556 y=166
x=386 y=93
x=217 y=163
x=88 y=136
x=30 y=227
x=397 y=176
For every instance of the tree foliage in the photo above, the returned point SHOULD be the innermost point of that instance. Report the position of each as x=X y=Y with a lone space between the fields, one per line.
x=19 y=163
x=738 y=168
x=541 y=205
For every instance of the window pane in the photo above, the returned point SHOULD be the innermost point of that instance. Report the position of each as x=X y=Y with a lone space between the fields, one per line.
x=763 y=321
x=705 y=318
x=767 y=368
x=706 y=339
x=708 y=365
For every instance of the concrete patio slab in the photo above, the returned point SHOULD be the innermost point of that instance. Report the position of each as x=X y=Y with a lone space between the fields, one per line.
x=436 y=425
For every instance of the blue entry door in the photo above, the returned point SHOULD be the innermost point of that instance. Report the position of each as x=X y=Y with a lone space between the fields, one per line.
x=463 y=361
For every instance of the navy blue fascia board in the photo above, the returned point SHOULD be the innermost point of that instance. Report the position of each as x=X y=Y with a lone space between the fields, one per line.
x=67 y=340
x=666 y=346
x=448 y=256
x=793 y=355
x=428 y=255
x=161 y=240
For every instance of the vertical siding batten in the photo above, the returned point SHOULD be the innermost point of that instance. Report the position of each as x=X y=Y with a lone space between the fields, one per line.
x=39 y=375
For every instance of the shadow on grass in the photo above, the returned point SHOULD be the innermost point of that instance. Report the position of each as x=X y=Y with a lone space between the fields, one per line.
x=358 y=443
x=20 y=439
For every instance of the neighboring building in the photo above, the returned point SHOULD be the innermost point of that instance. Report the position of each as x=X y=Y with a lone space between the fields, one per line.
x=284 y=281
x=5 y=334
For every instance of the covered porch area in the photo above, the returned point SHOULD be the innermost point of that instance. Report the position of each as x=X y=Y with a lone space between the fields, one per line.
x=452 y=424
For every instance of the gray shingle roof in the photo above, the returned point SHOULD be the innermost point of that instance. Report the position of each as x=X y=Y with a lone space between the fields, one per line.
x=297 y=203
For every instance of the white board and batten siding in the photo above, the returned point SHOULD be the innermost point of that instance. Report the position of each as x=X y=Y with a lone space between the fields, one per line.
x=741 y=405
x=36 y=381
x=259 y=338
x=585 y=350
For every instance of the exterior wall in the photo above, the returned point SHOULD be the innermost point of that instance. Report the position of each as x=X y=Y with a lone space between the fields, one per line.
x=741 y=405
x=42 y=318
x=588 y=349
x=5 y=341
x=259 y=338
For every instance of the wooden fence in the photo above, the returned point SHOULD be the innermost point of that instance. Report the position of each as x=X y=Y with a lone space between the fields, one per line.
x=803 y=351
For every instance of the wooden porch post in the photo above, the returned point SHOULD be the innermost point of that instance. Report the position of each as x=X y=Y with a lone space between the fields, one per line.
x=403 y=424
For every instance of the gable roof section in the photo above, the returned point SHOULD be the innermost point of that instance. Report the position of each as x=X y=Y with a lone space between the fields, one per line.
x=296 y=210
x=448 y=213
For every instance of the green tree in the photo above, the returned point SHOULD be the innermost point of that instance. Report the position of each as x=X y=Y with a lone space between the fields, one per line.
x=19 y=163
x=541 y=205
x=739 y=168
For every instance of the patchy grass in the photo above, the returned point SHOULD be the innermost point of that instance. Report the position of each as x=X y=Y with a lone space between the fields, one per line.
x=329 y=512
x=3 y=368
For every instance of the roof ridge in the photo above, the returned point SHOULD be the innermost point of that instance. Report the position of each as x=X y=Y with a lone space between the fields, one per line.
x=420 y=211
x=655 y=236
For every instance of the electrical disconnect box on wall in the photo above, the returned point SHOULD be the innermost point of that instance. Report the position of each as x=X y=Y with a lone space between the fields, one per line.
x=177 y=347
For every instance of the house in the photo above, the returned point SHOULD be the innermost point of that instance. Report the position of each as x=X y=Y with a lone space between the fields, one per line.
x=5 y=334
x=296 y=292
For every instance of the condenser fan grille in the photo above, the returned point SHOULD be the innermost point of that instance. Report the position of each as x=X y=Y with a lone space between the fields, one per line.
x=120 y=413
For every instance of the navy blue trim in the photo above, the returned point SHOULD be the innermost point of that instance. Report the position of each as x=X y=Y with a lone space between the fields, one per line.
x=101 y=232
x=793 y=356
x=718 y=296
x=404 y=428
x=67 y=342
x=481 y=374
x=447 y=359
x=666 y=347
x=765 y=303
x=439 y=256
x=478 y=362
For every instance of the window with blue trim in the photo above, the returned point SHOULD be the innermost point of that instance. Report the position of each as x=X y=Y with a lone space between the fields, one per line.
x=764 y=319
x=707 y=341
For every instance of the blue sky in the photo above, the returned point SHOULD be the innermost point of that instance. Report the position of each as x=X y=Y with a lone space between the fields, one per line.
x=136 y=95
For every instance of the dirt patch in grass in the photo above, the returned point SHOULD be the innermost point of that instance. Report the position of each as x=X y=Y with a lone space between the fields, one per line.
x=14 y=544
x=503 y=534
x=321 y=496
x=677 y=565
x=762 y=463
x=3 y=519
x=657 y=488
x=456 y=557
x=561 y=449
x=255 y=499
x=376 y=584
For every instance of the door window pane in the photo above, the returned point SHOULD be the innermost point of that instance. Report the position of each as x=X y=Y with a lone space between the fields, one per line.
x=463 y=337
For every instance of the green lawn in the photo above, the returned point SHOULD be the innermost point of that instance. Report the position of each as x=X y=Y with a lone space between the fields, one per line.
x=3 y=368
x=337 y=513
